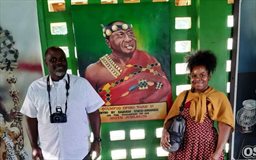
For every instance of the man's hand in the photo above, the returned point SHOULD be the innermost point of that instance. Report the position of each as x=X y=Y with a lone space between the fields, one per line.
x=95 y=147
x=37 y=153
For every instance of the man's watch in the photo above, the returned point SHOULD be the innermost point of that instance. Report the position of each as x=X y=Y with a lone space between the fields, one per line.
x=97 y=139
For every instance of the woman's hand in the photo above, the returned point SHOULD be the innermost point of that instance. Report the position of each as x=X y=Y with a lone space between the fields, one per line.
x=215 y=156
x=165 y=139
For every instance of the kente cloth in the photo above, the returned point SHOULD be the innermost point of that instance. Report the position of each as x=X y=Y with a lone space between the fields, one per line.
x=141 y=81
x=212 y=101
x=200 y=139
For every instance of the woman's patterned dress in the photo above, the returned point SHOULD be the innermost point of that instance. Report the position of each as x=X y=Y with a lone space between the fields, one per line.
x=200 y=139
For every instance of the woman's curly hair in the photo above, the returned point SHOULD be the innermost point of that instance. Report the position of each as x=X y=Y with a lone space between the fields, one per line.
x=202 y=58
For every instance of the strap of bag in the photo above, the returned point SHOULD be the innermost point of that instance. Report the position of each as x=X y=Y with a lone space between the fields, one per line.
x=183 y=102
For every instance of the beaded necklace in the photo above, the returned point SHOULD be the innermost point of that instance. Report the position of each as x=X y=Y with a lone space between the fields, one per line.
x=111 y=66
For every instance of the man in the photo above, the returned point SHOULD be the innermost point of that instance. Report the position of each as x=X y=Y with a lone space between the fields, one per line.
x=60 y=109
x=127 y=75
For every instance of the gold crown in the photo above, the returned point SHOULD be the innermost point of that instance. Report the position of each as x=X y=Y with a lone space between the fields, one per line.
x=108 y=30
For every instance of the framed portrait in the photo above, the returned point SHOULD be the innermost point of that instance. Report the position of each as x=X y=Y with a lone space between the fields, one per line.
x=137 y=81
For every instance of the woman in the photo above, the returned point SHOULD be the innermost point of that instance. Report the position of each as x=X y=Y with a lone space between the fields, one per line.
x=203 y=106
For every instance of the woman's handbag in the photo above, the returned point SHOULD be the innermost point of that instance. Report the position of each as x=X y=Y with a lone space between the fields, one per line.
x=177 y=128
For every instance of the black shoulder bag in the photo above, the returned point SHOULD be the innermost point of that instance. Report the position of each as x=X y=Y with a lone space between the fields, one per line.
x=177 y=128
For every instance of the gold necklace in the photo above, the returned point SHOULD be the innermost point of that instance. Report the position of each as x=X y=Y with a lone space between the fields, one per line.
x=111 y=66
